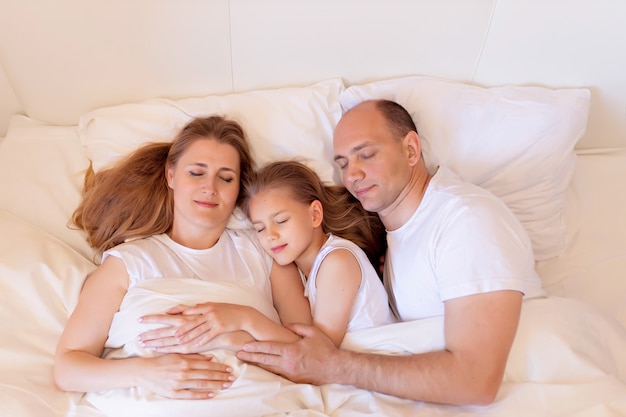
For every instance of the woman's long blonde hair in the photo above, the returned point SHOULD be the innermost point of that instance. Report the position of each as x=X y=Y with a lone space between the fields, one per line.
x=344 y=215
x=132 y=199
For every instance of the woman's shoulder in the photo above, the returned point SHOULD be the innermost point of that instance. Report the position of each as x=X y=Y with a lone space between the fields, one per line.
x=137 y=246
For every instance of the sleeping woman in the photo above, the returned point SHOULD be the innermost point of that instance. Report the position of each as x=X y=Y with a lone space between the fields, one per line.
x=161 y=217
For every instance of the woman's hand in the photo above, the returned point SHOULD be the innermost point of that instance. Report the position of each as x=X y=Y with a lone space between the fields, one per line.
x=190 y=329
x=184 y=376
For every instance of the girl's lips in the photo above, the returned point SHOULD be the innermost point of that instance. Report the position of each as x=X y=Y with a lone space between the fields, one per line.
x=279 y=248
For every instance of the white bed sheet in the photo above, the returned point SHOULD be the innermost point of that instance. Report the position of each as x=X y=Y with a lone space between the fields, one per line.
x=43 y=265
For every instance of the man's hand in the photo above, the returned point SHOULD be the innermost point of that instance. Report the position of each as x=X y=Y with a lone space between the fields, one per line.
x=308 y=360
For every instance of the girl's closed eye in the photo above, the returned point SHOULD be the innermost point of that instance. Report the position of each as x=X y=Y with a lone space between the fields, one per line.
x=282 y=220
x=227 y=179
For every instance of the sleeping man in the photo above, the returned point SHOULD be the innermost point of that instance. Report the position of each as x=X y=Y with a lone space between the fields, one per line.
x=454 y=251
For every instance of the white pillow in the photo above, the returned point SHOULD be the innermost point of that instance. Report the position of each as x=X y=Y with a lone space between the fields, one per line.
x=283 y=123
x=41 y=278
x=41 y=176
x=518 y=142
x=593 y=266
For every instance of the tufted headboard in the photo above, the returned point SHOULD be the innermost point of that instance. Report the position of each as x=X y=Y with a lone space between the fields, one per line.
x=61 y=59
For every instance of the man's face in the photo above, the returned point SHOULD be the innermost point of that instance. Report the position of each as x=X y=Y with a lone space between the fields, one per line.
x=373 y=163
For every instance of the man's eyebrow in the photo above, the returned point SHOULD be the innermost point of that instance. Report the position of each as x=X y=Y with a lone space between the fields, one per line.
x=355 y=149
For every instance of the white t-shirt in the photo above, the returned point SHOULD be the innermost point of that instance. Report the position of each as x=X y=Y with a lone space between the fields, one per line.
x=236 y=257
x=461 y=240
x=371 y=306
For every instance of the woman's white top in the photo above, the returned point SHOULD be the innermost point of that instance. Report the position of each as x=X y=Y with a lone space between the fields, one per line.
x=236 y=257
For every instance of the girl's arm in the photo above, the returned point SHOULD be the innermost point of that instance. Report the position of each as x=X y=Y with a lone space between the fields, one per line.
x=338 y=281
x=288 y=294
x=207 y=325
x=78 y=364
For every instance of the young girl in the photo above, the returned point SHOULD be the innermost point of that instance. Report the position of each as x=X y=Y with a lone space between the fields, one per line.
x=334 y=242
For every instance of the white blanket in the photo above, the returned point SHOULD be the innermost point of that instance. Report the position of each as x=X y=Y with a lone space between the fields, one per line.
x=566 y=357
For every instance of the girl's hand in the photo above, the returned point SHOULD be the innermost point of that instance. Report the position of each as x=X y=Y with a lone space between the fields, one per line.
x=185 y=376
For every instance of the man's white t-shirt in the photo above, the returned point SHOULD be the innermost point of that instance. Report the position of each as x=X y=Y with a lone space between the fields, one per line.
x=462 y=240
x=371 y=306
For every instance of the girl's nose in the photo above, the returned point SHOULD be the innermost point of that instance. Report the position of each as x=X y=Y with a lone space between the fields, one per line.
x=272 y=234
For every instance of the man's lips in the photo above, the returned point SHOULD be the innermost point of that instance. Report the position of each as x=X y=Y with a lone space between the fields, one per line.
x=358 y=192
x=279 y=248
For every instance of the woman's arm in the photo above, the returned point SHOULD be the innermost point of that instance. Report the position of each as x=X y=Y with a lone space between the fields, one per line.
x=78 y=364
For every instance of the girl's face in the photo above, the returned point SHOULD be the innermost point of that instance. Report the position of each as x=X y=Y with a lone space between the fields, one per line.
x=286 y=228
x=205 y=184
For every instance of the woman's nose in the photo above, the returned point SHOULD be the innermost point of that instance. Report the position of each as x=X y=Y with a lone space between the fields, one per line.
x=208 y=187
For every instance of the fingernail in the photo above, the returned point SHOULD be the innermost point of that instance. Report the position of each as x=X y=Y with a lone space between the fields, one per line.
x=231 y=377
x=229 y=369
x=226 y=385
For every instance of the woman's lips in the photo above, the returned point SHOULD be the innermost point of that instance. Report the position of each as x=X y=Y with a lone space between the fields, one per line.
x=207 y=204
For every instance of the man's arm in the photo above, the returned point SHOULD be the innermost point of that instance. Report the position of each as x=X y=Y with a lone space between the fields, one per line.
x=479 y=332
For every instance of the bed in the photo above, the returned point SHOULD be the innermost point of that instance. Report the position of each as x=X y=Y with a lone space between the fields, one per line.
x=496 y=96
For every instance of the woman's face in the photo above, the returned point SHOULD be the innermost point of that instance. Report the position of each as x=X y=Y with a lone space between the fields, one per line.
x=205 y=183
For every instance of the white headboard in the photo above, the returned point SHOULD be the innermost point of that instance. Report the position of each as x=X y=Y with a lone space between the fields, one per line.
x=61 y=59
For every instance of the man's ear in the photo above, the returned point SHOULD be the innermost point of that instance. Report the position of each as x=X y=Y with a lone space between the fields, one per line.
x=413 y=147
x=317 y=213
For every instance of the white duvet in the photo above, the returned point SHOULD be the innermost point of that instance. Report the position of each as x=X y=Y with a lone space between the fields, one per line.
x=567 y=360
x=561 y=343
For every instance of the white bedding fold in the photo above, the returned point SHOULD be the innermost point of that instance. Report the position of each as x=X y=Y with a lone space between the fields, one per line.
x=561 y=344
x=255 y=391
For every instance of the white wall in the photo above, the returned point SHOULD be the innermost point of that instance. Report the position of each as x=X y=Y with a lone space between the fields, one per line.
x=66 y=57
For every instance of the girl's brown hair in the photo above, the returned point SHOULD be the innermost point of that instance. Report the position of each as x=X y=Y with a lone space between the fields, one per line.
x=344 y=215
x=132 y=199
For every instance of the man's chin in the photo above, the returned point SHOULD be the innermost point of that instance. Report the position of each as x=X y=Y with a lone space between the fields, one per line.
x=368 y=205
